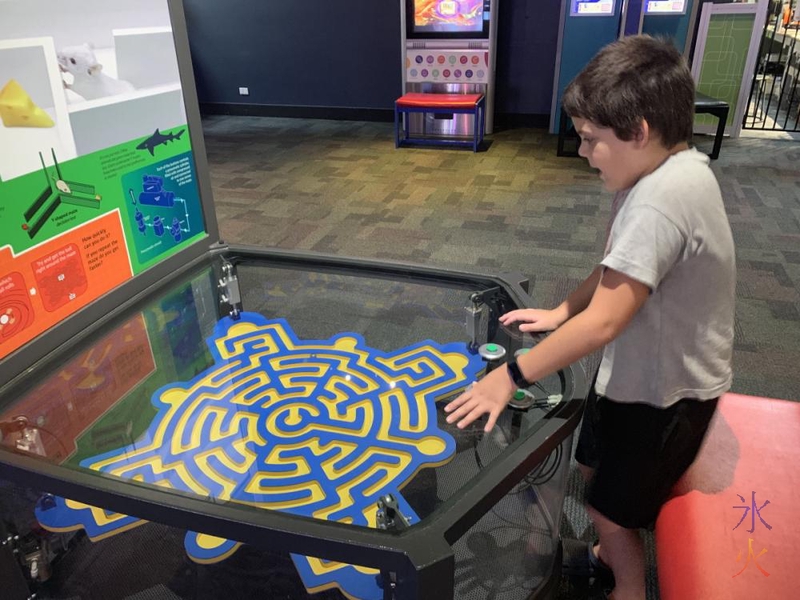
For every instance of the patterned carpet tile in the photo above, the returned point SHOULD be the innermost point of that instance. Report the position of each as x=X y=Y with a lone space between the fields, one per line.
x=341 y=187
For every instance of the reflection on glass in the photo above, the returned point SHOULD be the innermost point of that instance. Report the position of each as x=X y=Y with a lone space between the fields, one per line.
x=322 y=398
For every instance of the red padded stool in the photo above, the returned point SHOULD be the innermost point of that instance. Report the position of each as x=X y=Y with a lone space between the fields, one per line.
x=713 y=538
x=474 y=104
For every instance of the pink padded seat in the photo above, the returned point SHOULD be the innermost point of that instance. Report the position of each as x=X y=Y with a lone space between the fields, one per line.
x=750 y=456
x=439 y=100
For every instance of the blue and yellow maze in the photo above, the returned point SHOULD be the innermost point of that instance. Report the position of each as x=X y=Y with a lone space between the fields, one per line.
x=316 y=428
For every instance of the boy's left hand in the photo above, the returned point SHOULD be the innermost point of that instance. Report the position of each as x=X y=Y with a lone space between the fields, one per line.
x=489 y=395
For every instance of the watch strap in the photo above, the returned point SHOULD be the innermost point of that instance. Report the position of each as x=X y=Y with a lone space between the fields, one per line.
x=516 y=375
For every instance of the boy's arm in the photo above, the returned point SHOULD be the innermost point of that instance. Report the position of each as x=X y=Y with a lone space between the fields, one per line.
x=614 y=303
x=536 y=319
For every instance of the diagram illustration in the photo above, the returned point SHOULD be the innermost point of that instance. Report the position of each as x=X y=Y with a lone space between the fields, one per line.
x=58 y=191
x=16 y=311
x=154 y=198
x=158 y=139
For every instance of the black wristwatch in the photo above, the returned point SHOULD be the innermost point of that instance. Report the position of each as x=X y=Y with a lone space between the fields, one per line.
x=516 y=375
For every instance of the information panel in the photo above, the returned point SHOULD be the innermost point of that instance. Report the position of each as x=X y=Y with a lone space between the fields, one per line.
x=592 y=8
x=97 y=176
x=665 y=7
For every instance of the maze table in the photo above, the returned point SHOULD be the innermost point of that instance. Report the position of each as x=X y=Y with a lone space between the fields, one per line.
x=318 y=428
x=279 y=415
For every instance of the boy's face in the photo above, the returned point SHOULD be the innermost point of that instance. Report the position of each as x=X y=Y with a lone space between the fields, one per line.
x=619 y=161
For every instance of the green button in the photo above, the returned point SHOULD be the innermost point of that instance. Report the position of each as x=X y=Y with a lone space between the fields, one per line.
x=491 y=348
x=519 y=395
x=524 y=350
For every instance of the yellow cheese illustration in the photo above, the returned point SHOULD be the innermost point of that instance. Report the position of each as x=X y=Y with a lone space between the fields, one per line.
x=18 y=110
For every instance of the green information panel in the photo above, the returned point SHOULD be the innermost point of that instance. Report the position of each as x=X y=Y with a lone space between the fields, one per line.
x=97 y=176
x=724 y=61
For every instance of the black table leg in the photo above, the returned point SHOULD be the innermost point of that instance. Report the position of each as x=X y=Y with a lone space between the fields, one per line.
x=722 y=115
x=562 y=132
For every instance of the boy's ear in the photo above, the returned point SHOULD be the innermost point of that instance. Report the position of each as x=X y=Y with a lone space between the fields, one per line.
x=643 y=133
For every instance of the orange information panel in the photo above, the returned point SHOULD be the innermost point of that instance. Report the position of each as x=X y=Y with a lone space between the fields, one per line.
x=49 y=282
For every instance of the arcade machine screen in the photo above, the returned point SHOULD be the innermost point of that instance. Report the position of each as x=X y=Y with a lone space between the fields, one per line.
x=449 y=16
x=665 y=7
x=591 y=8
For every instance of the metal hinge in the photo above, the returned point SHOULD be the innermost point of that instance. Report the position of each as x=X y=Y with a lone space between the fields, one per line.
x=229 y=291
x=389 y=518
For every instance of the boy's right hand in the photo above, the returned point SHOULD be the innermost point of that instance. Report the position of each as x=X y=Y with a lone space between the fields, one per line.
x=533 y=319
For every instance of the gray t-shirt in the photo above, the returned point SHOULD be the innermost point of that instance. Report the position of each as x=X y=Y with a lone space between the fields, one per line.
x=672 y=234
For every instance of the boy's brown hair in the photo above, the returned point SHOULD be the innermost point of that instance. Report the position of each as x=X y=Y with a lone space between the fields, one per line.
x=636 y=78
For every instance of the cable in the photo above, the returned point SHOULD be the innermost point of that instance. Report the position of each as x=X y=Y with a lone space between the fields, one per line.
x=56 y=438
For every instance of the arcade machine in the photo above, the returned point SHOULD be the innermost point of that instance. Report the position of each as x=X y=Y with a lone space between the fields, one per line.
x=181 y=418
x=671 y=18
x=587 y=26
x=449 y=46
x=584 y=28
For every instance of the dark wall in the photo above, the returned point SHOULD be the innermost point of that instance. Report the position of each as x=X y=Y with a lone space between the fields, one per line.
x=296 y=52
x=346 y=53
x=526 y=55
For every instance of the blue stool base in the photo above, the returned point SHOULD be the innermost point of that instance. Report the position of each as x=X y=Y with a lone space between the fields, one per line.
x=401 y=119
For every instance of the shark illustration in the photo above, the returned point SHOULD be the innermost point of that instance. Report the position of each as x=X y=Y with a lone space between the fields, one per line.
x=158 y=139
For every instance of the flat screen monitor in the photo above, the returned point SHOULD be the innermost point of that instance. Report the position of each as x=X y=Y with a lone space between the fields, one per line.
x=592 y=8
x=665 y=7
x=448 y=19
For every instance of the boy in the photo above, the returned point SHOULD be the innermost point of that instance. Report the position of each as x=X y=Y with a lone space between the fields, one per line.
x=661 y=302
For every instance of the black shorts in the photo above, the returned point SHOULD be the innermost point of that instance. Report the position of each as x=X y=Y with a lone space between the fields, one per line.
x=638 y=452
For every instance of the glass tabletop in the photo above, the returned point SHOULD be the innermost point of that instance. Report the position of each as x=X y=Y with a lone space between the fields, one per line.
x=320 y=396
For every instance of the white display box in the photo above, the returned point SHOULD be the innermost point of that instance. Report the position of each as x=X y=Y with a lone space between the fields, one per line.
x=146 y=56
x=107 y=122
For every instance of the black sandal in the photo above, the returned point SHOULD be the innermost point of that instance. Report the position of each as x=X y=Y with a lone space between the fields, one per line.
x=600 y=592
x=579 y=560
